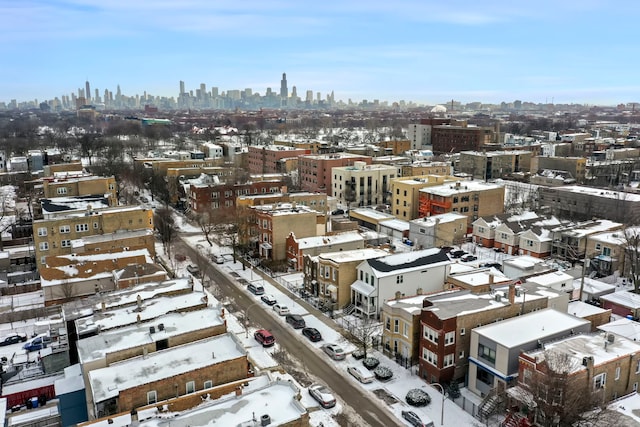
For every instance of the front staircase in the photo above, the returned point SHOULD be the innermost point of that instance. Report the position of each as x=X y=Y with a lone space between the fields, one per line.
x=349 y=309
x=490 y=404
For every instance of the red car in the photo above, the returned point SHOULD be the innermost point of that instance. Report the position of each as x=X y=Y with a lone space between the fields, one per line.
x=264 y=337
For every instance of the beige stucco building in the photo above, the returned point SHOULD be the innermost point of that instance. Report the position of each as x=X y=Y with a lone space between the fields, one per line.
x=405 y=193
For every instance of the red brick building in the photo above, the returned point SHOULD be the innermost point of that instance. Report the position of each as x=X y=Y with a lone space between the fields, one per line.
x=204 y=197
x=272 y=158
x=453 y=139
x=315 y=170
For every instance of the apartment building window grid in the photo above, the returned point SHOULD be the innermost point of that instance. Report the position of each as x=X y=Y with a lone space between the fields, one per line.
x=65 y=229
x=82 y=227
x=430 y=357
x=430 y=334
x=42 y=231
x=152 y=397
x=449 y=338
x=448 y=360
x=600 y=381
x=487 y=353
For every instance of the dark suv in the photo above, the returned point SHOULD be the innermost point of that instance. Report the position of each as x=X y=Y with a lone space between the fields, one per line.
x=295 y=320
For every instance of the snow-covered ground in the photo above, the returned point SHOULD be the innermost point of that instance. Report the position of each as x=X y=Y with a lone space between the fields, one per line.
x=396 y=389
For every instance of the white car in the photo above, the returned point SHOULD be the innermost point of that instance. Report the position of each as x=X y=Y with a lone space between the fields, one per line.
x=322 y=395
x=361 y=373
x=334 y=351
x=281 y=309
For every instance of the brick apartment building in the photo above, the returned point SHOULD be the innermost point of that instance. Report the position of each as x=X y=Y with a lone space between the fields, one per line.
x=315 y=170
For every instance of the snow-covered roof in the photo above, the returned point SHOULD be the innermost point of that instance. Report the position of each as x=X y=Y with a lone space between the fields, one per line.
x=107 y=382
x=124 y=297
x=623 y=298
x=551 y=278
x=259 y=397
x=408 y=261
x=371 y=214
x=610 y=194
x=438 y=219
x=624 y=327
x=334 y=239
x=582 y=309
x=363 y=288
x=395 y=224
x=138 y=334
x=594 y=345
x=530 y=327
x=447 y=190
x=148 y=309
x=72 y=381
x=353 y=255
x=482 y=277
x=593 y=286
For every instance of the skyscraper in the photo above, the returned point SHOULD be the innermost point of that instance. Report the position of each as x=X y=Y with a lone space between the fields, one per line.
x=284 y=92
x=87 y=91
x=181 y=87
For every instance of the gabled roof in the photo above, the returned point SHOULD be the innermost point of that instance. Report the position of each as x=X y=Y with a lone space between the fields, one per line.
x=408 y=260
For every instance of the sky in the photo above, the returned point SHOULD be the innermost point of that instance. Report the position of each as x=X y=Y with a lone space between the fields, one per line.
x=561 y=51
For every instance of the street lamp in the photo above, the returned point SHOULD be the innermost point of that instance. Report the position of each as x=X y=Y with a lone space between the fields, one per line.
x=246 y=320
x=442 y=408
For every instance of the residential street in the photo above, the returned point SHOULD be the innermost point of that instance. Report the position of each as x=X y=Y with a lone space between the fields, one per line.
x=369 y=407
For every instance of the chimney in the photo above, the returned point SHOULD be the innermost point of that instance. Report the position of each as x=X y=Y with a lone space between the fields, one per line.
x=419 y=291
x=138 y=318
x=491 y=279
x=398 y=295
x=103 y=306
x=512 y=293
x=139 y=301
x=238 y=391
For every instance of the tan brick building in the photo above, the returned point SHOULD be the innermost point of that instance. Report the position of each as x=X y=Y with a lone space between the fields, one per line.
x=470 y=198
x=362 y=184
x=54 y=236
x=426 y=168
x=81 y=186
x=270 y=225
x=405 y=193
x=176 y=371
x=271 y=158
x=494 y=164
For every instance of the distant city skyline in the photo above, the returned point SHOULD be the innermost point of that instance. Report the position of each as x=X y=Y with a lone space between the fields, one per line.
x=422 y=51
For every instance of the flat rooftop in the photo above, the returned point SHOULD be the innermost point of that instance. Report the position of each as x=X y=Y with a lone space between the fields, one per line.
x=107 y=382
x=112 y=341
x=530 y=327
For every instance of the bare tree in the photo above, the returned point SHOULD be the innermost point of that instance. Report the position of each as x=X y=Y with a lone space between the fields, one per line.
x=166 y=226
x=631 y=250
x=365 y=330
x=562 y=393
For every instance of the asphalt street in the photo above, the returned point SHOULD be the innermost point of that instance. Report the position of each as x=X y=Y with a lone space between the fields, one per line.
x=367 y=406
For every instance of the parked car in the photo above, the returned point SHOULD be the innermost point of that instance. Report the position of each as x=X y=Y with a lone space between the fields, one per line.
x=468 y=257
x=264 y=337
x=322 y=395
x=193 y=269
x=312 y=333
x=268 y=299
x=295 y=320
x=37 y=343
x=361 y=373
x=218 y=259
x=338 y=212
x=334 y=351
x=414 y=419
x=255 y=289
x=495 y=265
x=458 y=253
x=281 y=309
x=13 y=339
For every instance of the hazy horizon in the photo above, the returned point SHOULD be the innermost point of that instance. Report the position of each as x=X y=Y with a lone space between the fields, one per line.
x=579 y=52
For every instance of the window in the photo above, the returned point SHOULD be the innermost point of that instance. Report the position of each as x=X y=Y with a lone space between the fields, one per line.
x=484 y=376
x=95 y=224
x=461 y=355
x=152 y=397
x=42 y=231
x=65 y=243
x=405 y=329
x=399 y=279
x=44 y=246
x=606 y=251
x=429 y=356
x=65 y=229
x=388 y=324
x=396 y=325
x=208 y=384
x=487 y=353
x=617 y=373
x=112 y=187
x=599 y=381
x=61 y=190
x=598 y=246
x=448 y=360
x=462 y=331
x=82 y=227
x=635 y=387
x=638 y=367
x=449 y=338
x=431 y=334
x=191 y=387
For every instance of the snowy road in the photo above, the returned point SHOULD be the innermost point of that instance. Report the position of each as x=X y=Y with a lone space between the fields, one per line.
x=353 y=395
